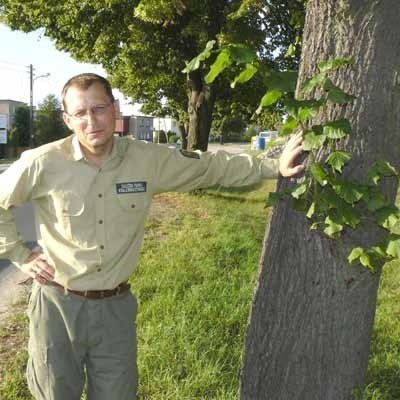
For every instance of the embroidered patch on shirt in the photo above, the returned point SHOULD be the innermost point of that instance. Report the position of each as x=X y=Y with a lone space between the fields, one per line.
x=190 y=154
x=131 y=187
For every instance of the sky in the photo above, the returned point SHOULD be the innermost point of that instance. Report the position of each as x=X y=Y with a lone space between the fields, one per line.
x=18 y=50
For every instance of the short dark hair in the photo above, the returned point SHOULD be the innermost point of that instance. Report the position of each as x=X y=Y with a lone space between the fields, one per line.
x=84 y=81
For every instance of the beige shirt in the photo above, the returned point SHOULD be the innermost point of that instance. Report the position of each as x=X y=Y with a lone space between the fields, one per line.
x=89 y=220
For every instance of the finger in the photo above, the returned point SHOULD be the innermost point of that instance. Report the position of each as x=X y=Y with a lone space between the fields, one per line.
x=45 y=266
x=45 y=274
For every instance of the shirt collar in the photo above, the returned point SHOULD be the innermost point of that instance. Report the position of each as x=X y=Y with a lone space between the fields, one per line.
x=78 y=155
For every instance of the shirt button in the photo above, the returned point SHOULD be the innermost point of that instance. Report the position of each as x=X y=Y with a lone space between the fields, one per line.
x=100 y=195
x=98 y=269
x=102 y=247
x=133 y=206
x=101 y=221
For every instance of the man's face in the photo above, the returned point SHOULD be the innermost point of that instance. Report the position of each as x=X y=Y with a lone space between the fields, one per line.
x=90 y=114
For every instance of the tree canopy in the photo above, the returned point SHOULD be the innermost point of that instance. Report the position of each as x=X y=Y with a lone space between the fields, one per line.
x=144 y=45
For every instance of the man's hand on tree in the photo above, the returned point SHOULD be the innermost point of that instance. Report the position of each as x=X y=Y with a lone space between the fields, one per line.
x=291 y=151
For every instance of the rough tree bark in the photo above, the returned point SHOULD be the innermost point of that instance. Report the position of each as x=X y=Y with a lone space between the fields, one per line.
x=200 y=106
x=312 y=314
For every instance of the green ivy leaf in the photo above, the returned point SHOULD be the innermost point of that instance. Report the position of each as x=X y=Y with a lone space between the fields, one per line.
x=332 y=228
x=329 y=65
x=337 y=129
x=338 y=159
x=241 y=54
x=299 y=190
x=305 y=114
x=393 y=246
x=314 y=82
x=289 y=126
x=350 y=192
x=291 y=51
x=284 y=81
x=195 y=62
x=223 y=61
x=311 y=210
x=293 y=106
x=336 y=94
x=245 y=75
x=388 y=216
x=374 y=198
x=312 y=141
x=274 y=198
x=355 y=254
x=350 y=215
x=380 y=168
x=319 y=173
x=271 y=97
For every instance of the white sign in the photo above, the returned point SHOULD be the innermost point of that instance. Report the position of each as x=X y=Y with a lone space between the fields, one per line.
x=3 y=121
x=3 y=136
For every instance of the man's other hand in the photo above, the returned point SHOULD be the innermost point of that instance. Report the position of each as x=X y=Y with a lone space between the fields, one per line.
x=37 y=267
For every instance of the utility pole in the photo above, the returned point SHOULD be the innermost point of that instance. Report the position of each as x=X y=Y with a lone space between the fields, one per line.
x=31 y=137
x=31 y=80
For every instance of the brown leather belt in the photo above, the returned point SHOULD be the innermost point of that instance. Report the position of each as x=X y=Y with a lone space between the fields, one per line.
x=95 y=294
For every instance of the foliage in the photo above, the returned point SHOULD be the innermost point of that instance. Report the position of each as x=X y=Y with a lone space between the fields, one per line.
x=331 y=202
x=19 y=135
x=49 y=125
x=143 y=46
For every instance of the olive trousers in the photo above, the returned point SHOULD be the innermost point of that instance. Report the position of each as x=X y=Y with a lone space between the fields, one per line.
x=73 y=340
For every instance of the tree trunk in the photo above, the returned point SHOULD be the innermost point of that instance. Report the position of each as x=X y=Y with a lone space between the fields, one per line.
x=312 y=315
x=184 y=134
x=201 y=103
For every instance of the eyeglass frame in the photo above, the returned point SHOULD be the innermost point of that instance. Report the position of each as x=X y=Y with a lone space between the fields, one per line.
x=97 y=110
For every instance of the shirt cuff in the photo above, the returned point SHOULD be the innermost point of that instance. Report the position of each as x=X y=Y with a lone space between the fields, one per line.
x=19 y=255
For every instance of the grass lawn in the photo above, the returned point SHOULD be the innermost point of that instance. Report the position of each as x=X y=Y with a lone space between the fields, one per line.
x=194 y=285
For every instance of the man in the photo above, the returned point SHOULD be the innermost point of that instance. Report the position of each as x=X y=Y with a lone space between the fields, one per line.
x=91 y=192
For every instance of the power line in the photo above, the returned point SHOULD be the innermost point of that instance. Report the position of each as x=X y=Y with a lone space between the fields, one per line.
x=13 y=65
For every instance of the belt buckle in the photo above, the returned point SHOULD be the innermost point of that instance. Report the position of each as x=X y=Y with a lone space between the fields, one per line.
x=101 y=294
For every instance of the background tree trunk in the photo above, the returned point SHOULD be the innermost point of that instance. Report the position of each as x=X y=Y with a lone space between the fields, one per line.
x=312 y=315
x=200 y=106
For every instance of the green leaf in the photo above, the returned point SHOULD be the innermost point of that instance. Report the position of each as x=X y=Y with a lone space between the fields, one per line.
x=294 y=106
x=336 y=94
x=245 y=75
x=271 y=97
x=374 y=199
x=311 y=210
x=223 y=61
x=316 y=81
x=337 y=129
x=329 y=65
x=388 y=216
x=289 y=126
x=195 y=62
x=355 y=254
x=299 y=190
x=319 y=173
x=305 y=114
x=338 y=159
x=291 y=51
x=285 y=81
x=350 y=215
x=380 y=168
x=365 y=260
x=393 y=246
x=241 y=54
x=312 y=141
x=350 y=192
x=274 y=198
x=332 y=228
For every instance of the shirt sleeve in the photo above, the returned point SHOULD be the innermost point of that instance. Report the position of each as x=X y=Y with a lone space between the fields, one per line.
x=16 y=187
x=181 y=170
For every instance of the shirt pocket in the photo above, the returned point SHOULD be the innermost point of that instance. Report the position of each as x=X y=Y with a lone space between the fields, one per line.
x=67 y=207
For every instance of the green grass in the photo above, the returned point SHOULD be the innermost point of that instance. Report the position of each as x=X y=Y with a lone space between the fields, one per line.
x=194 y=285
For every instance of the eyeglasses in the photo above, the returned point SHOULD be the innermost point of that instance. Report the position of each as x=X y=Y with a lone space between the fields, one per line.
x=83 y=115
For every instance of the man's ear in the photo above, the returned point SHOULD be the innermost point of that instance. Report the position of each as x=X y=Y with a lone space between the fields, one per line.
x=67 y=120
